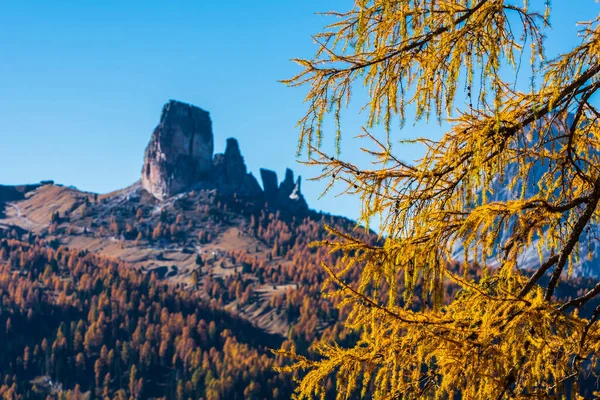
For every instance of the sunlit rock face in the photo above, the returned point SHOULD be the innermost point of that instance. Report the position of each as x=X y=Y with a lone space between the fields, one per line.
x=179 y=158
x=180 y=151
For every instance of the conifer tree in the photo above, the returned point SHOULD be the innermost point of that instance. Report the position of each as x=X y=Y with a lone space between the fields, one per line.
x=194 y=278
x=504 y=333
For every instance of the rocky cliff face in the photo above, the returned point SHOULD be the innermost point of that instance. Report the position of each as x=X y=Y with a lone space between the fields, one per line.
x=180 y=151
x=269 y=181
x=289 y=194
x=179 y=157
x=230 y=175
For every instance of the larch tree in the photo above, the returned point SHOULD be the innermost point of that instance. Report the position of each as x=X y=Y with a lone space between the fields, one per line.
x=504 y=333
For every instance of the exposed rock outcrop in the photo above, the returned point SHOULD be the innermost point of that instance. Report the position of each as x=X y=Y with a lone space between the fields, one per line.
x=287 y=185
x=289 y=195
x=269 y=181
x=230 y=175
x=180 y=151
x=179 y=157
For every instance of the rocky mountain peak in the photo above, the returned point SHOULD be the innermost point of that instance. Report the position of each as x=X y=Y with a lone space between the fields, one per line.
x=289 y=195
x=269 y=181
x=232 y=149
x=180 y=156
x=287 y=185
x=180 y=150
x=230 y=175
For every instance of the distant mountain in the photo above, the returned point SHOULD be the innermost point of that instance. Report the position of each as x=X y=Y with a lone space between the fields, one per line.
x=188 y=275
x=195 y=221
x=529 y=187
x=189 y=204
x=180 y=158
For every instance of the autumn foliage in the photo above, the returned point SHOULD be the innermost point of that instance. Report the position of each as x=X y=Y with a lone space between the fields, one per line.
x=95 y=324
x=504 y=333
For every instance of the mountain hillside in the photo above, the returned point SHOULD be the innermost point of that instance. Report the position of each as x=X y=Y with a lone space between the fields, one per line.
x=207 y=226
x=174 y=287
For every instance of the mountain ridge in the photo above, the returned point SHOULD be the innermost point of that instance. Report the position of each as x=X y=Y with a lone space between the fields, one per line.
x=179 y=158
x=204 y=272
x=217 y=227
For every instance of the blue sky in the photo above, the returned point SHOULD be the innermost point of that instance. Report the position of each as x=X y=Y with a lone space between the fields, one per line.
x=82 y=83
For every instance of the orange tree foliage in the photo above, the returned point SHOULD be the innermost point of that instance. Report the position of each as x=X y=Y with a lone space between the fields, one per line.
x=504 y=334
x=89 y=323
x=142 y=320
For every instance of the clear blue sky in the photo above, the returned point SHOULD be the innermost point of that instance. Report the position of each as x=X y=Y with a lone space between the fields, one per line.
x=82 y=83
